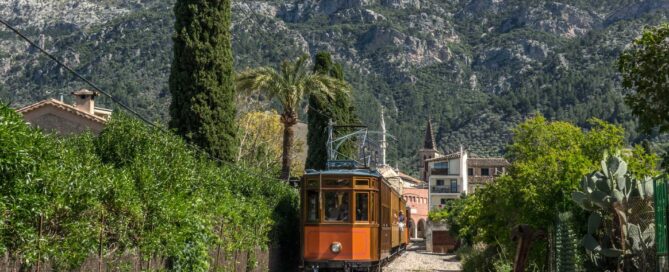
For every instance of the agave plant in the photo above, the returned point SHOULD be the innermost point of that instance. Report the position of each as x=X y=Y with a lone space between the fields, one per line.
x=608 y=195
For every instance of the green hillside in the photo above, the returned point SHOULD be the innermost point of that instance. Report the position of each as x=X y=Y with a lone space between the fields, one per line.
x=477 y=67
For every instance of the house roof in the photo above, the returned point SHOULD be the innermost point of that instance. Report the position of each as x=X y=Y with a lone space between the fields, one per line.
x=62 y=106
x=408 y=178
x=446 y=157
x=491 y=162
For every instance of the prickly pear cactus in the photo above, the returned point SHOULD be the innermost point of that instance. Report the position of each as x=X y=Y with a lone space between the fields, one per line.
x=607 y=194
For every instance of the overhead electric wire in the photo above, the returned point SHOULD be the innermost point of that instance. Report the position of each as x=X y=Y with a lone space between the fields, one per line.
x=145 y=120
x=33 y=44
x=135 y=113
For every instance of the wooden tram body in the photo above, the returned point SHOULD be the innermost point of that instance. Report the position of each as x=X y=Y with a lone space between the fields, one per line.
x=350 y=220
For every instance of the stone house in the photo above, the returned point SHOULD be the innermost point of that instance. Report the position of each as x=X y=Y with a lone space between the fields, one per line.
x=55 y=116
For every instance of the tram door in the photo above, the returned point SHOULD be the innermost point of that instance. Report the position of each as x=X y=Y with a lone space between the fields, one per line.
x=386 y=221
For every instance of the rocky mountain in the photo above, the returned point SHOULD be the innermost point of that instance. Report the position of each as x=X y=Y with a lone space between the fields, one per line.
x=476 y=67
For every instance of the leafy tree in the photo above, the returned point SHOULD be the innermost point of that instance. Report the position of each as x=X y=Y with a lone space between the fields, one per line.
x=289 y=85
x=548 y=161
x=644 y=66
x=201 y=80
x=339 y=109
x=258 y=147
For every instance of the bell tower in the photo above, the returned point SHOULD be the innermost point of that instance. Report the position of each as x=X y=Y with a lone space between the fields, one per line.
x=428 y=151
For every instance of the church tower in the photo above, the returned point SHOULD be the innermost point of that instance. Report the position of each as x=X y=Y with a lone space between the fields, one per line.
x=428 y=151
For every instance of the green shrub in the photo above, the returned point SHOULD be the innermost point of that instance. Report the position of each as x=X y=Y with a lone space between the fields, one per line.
x=133 y=189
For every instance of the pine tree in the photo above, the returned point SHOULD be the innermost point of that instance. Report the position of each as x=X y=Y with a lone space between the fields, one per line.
x=201 y=80
x=338 y=108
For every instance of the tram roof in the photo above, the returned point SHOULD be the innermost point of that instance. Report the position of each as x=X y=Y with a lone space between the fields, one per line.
x=347 y=172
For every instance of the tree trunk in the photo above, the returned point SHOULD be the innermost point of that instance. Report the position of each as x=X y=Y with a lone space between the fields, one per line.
x=289 y=119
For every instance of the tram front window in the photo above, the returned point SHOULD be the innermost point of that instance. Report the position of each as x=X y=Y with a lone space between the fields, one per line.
x=336 y=206
x=361 y=207
x=312 y=206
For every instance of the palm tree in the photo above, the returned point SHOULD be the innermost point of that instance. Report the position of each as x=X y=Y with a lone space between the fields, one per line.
x=290 y=85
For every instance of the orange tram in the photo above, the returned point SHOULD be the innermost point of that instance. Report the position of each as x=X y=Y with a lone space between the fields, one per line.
x=351 y=219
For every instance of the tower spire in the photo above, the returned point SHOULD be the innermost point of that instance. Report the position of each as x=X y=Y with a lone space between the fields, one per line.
x=429 y=136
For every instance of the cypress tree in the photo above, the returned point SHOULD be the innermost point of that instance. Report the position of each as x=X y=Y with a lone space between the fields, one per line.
x=201 y=80
x=340 y=110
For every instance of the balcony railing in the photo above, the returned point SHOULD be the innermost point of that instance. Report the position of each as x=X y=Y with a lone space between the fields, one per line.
x=439 y=171
x=444 y=190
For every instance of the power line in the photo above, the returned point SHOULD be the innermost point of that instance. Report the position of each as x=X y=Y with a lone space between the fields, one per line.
x=75 y=73
x=145 y=120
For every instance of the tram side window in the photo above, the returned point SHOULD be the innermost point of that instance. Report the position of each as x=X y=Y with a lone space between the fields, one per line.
x=362 y=207
x=312 y=206
x=372 y=215
x=336 y=206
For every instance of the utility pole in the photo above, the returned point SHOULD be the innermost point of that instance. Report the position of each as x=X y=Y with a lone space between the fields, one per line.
x=384 y=144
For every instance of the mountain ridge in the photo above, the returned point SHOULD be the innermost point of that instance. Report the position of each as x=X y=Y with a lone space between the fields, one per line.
x=477 y=66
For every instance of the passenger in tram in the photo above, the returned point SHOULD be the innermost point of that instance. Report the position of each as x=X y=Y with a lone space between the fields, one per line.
x=344 y=211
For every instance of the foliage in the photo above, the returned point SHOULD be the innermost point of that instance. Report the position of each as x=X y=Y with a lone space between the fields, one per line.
x=547 y=160
x=201 y=79
x=641 y=163
x=453 y=213
x=438 y=215
x=132 y=190
x=292 y=83
x=614 y=196
x=490 y=81
x=339 y=109
x=258 y=147
x=481 y=257
x=644 y=66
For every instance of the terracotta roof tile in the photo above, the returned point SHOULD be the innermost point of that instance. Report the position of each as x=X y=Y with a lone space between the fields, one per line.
x=408 y=178
x=62 y=106
x=446 y=157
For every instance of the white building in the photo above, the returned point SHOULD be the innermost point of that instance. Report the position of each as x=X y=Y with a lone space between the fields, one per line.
x=447 y=178
x=450 y=176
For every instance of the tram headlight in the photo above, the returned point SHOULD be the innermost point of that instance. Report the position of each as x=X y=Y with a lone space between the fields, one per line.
x=335 y=247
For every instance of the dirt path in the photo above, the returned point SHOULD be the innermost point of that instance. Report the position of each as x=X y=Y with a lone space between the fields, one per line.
x=416 y=259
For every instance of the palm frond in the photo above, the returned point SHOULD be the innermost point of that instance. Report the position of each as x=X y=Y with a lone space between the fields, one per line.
x=291 y=83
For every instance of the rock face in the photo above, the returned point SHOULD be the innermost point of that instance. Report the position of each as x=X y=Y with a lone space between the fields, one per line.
x=415 y=57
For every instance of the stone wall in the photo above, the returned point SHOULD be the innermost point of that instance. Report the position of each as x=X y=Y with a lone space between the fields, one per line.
x=445 y=242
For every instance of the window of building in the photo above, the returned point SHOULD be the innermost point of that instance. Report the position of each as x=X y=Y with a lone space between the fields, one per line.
x=443 y=201
x=440 y=182
x=361 y=206
x=336 y=206
x=485 y=171
x=312 y=206
x=470 y=171
x=441 y=165
x=454 y=185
